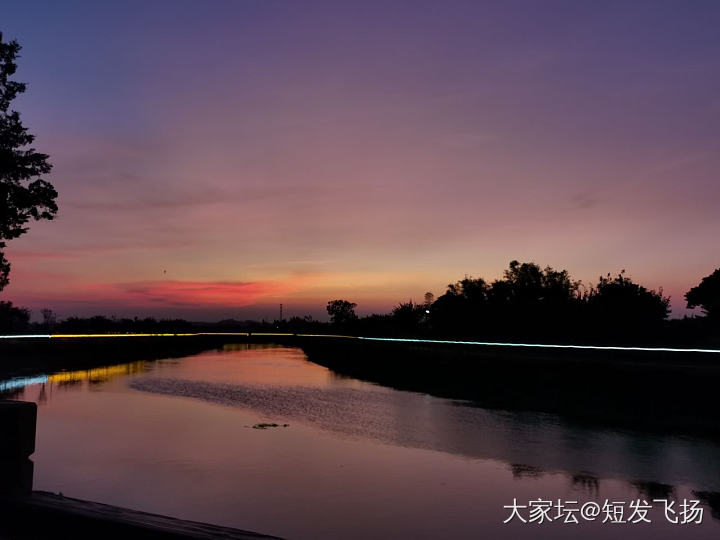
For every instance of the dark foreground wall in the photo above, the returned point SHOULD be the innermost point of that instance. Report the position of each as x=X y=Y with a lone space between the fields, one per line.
x=41 y=515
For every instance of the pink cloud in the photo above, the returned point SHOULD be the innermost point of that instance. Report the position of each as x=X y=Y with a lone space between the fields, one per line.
x=201 y=293
x=159 y=294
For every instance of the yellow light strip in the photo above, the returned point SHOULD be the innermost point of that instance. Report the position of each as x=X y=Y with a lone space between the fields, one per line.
x=245 y=334
x=61 y=336
x=221 y=334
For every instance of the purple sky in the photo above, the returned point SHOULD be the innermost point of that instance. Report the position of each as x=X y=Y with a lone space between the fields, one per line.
x=217 y=158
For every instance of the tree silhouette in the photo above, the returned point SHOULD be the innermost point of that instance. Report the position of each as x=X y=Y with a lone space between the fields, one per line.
x=531 y=300
x=49 y=318
x=341 y=311
x=408 y=317
x=13 y=319
x=23 y=194
x=462 y=309
x=706 y=295
x=618 y=305
x=526 y=284
x=527 y=300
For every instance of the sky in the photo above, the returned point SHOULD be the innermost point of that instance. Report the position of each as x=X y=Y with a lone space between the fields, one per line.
x=215 y=159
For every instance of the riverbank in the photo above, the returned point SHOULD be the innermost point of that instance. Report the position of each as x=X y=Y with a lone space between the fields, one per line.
x=672 y=393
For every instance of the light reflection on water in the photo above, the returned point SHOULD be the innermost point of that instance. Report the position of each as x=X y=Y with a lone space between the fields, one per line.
x=357 y=460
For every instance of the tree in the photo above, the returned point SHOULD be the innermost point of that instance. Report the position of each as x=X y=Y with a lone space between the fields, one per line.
x=23 y=194
x=49 y=318
x=408 y=317
x=706 y=295
x=532 y=302
x=341 y=311
x=13 y=319
x=626 y=306
x=462 y=310
x=529 y=284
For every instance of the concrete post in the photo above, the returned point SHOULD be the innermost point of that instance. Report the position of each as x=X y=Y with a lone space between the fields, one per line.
x=17 y=443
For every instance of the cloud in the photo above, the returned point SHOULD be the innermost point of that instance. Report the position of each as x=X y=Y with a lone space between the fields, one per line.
x=201 y=293
x=183 y=294
x=584 y=201
x=187 y=295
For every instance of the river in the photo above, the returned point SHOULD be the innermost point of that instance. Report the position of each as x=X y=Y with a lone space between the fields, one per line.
x=347 y=459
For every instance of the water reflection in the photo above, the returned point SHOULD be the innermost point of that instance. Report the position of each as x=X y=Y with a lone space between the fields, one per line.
x=587 y=483
x=94 y=375
x=14 y=388
x=532 y=443
x=97 y=375
x=654 y=490
x=18 y=383
x=711 y=499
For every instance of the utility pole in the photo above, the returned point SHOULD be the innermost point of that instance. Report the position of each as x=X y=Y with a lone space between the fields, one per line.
x=281 y=313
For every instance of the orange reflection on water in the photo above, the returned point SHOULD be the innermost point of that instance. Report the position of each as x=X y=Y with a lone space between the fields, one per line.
x=100 y=374
x=247 y=363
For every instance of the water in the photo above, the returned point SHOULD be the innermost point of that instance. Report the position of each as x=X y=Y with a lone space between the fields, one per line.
x=347 y=460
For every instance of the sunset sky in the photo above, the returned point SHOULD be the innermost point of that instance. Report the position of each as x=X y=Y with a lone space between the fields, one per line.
x=214 y=159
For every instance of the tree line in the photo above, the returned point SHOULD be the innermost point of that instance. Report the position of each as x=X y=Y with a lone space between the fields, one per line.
x=528 y=303
x=541 y=304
